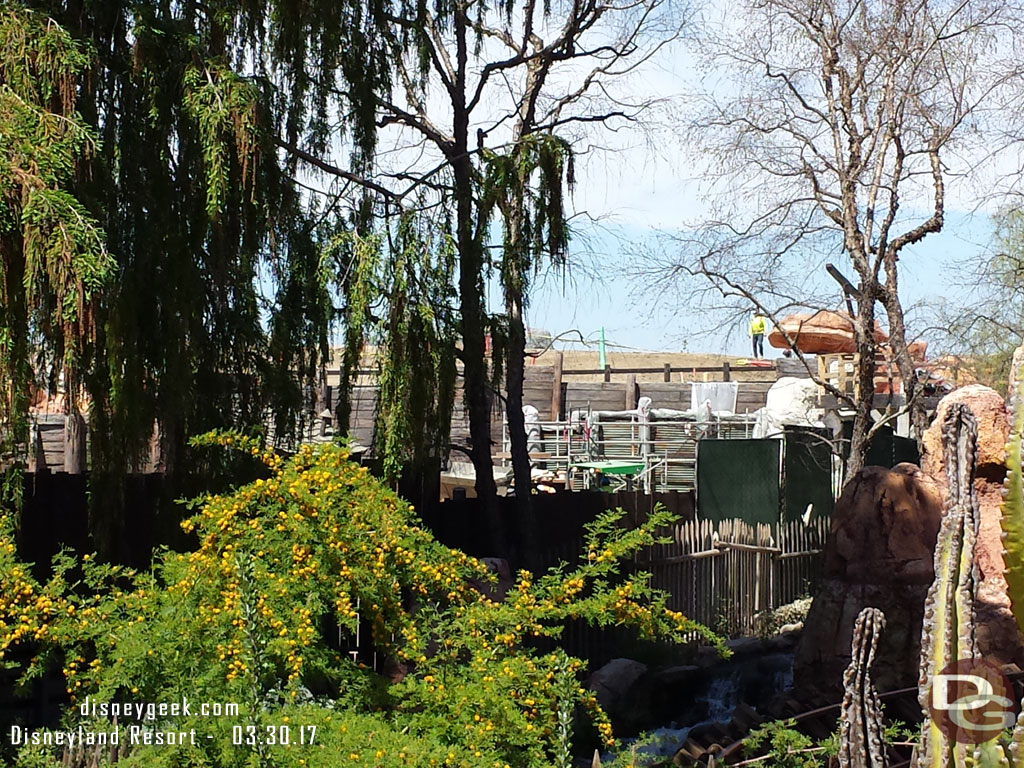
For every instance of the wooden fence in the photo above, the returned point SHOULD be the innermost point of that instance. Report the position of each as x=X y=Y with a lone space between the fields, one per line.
x=731 y=575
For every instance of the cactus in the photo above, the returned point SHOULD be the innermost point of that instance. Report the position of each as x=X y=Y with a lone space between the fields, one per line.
x=1013 y=512
x=861 y=744
x=948 y=631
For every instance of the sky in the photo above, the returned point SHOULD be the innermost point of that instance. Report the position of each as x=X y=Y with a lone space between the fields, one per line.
x=648 y=185
x=635 y=187
x=597 y=290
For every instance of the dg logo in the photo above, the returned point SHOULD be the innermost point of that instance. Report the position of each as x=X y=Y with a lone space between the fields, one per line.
x=971 y=701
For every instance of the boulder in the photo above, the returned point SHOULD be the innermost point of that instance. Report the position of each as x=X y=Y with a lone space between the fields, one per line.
x=495 y=590
x=823 y=332
x=884 y=528
x=879 y=553
x=613 y=683
x=993 y=428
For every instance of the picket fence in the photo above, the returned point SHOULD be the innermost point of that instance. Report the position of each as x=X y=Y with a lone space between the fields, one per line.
x=730 y=575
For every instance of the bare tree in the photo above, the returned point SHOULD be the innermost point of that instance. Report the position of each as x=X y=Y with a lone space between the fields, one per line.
x=488 y=107
x=835 y=126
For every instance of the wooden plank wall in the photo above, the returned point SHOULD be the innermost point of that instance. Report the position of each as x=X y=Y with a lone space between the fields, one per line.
x=537 y=390
x=49 y=443
x=599 y=396
x=674 y=395
x=363 y=414
x=730 y=575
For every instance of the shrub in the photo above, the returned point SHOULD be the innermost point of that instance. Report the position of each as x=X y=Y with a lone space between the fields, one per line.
x=282 y=562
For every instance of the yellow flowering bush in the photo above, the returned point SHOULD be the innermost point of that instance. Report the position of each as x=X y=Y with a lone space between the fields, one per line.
x=251 y=617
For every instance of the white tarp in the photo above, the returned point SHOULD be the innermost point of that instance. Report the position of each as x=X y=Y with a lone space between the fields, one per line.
x=720 y=394
x=790 y=401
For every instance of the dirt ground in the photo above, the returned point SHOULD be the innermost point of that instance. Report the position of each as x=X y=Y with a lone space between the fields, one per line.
x=585 y=359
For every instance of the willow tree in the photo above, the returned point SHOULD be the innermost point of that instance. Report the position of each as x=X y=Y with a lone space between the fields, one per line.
x=53 y=255
x=140 y=144
x=487 y=107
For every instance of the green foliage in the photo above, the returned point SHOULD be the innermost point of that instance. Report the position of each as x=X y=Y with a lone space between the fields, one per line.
x=226 y=108
x=53 y=255
x=247 y=615
x=401 y=299
x=786 y=746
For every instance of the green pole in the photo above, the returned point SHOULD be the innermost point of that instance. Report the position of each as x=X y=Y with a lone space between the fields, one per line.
x=601 y=347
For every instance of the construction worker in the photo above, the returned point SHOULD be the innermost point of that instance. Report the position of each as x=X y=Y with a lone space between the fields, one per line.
x=757 y=335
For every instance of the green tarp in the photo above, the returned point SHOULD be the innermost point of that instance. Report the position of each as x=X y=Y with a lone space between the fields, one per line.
x=738 y=479
x=807 y=473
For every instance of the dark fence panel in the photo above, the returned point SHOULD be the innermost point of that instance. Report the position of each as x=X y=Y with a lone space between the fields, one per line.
x=738 y=479
x=559 y=518
x=56 y=513
x=807 y=473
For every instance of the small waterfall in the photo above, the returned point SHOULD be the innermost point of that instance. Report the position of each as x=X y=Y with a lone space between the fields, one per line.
x=753 y=681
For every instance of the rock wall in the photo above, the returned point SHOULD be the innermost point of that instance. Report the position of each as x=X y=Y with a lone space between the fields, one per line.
x=998 y=637
x=879 y=554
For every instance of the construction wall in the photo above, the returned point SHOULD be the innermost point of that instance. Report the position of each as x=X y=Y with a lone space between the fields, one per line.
x=555 y=393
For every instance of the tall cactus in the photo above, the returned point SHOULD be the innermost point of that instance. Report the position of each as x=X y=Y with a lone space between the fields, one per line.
x=948 y=630
x=861 y=743
x=1013 y=512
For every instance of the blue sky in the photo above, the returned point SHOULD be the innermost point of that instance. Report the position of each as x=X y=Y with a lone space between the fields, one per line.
x=598 y=291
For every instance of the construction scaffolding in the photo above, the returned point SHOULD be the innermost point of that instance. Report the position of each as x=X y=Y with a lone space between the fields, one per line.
x=647 y=449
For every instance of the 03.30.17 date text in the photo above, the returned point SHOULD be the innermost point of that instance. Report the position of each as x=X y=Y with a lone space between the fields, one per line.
x=272 y=735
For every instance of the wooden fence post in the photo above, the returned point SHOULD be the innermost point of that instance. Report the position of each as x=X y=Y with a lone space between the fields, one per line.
x=607 y=373
x=74 y=443
x=725 y=371
x=668 y=372
x=556 y=387
x=630 y=392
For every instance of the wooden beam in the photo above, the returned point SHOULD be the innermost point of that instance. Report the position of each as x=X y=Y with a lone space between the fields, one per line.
x=556 y=387
x=668 y=372
x=74 y=444
x=630 y=393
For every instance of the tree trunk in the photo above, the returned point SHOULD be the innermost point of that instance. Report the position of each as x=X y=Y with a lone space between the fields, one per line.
x=864 y=383
x=471 y=265
x=901 y=352
x=514 y=375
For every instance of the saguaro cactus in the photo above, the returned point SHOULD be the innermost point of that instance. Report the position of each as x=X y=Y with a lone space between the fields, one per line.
x=948 y=632
x=861 y=744
x=948 y=629
x=1013 y=512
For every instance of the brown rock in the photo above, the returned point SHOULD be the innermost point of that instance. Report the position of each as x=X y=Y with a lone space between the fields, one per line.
x=821 y=333
x=613 y=682
x=495 y=590
x=997 y=634
x=879 y=554
x=993 y=428
x=884 y=528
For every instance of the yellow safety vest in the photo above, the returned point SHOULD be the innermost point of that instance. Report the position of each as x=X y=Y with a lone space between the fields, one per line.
x=757 y=325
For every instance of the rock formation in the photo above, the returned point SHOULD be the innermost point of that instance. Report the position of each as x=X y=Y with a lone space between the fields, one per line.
x=997 y=632
x=879 y=554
